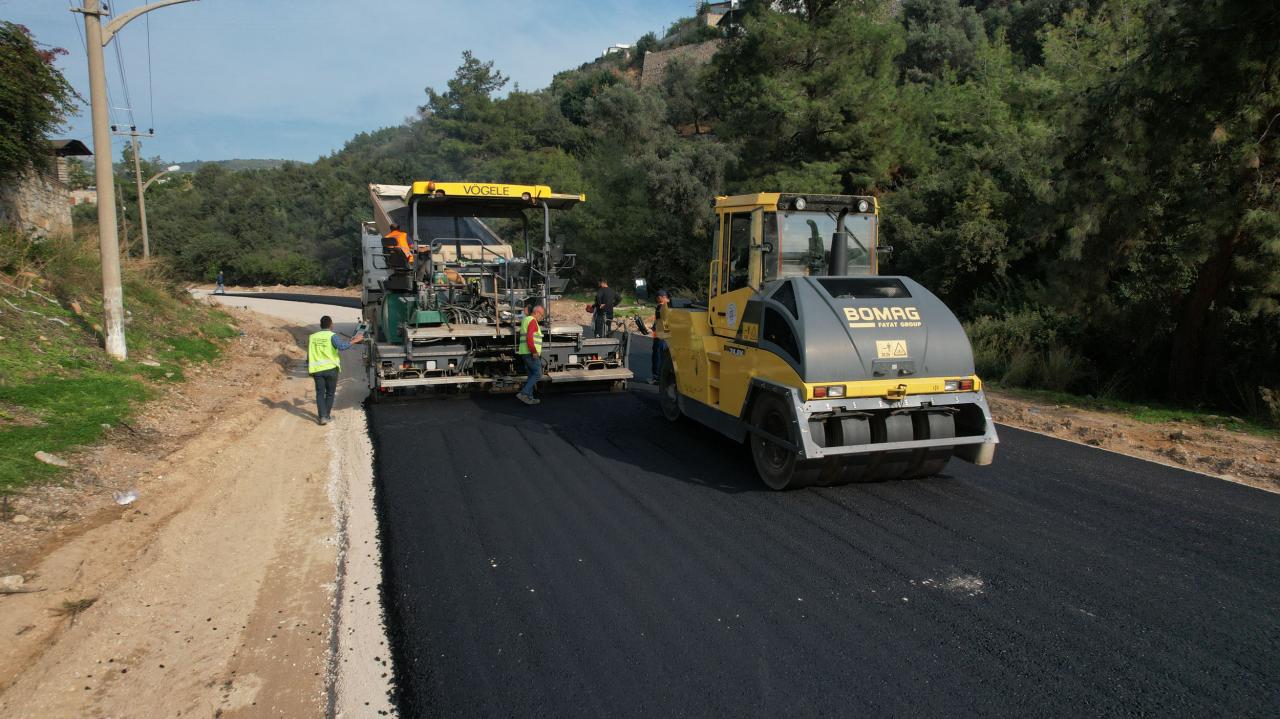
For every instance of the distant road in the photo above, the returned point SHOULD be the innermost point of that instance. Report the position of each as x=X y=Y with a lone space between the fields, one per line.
x=289 y=296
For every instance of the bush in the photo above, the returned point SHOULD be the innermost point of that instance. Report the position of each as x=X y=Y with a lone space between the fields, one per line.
x=276 y=266
x=1026 y=348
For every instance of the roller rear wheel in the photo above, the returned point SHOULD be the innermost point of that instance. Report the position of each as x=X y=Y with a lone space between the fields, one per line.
x=932 y=425
x=779 y=467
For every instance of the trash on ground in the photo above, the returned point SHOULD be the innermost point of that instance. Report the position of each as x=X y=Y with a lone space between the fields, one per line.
x=126 y=497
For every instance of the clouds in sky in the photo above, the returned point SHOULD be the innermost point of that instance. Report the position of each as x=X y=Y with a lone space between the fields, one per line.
x=294 y=79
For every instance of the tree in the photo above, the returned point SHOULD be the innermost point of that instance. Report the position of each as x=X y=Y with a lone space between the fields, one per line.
x=941 y=35
x=1170 y=175
x=78 y=176
x=813 y=86
x=35 y=99
x=687 y=103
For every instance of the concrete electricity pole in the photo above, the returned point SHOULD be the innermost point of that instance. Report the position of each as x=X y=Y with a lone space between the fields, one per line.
x=133 y=136
x=96 y=38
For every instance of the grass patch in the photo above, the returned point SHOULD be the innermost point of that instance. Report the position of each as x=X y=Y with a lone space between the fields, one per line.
x=1150 y=413
x=72 y=608
x=71 y=411
x=57 y=386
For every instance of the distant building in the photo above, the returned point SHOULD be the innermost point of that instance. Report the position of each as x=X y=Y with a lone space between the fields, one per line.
x=85 y=197
x=40 y=202
x=719 y=14
x=622 y=49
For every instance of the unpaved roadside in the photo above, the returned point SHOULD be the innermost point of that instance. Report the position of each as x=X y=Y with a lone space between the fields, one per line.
x=213 y=594
x=1234 y=456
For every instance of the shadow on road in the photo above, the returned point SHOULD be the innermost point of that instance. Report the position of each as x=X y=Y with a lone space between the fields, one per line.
x=625 y=433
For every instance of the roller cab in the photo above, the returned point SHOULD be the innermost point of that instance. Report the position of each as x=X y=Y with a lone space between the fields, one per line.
x=829 y=371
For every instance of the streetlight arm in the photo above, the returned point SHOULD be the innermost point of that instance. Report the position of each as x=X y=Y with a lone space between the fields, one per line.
x=154 y=177
x=114 y=26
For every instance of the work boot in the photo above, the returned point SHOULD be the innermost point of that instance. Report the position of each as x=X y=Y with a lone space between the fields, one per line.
x=524 y=398
x=324 y=420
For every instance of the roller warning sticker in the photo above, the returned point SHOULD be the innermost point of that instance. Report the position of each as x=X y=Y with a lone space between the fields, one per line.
x=891 y=349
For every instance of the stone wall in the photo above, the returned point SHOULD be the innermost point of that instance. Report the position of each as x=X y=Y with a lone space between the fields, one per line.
x=655 y=63
x=38 y=204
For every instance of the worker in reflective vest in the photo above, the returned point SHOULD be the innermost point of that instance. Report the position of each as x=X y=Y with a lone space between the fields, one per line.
x=401 y=241
x=530 y=351
x=324 y=363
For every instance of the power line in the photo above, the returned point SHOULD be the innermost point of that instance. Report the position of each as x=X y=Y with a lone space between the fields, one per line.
x=124 y=80
x=75 y=20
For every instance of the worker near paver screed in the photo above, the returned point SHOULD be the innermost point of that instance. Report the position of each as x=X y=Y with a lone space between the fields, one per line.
x=659 y=344
x=530 y=351
x=606 y=299
x=324 y=363
x=398 y=237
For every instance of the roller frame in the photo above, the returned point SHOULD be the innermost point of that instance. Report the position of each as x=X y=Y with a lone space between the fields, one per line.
x=808 y=449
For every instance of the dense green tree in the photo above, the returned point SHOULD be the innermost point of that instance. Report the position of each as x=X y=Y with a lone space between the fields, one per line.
x=651 y=214
x=811 y=88
x=941 y=35
x=687 y=103
x=35 y=99
x=1170 y=178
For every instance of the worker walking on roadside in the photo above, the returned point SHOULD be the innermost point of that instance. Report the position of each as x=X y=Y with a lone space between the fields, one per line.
x=530 y=351
x=398 y=237
x=606 y=299
x=324 y=363
x=659 y=344
x=220 y=287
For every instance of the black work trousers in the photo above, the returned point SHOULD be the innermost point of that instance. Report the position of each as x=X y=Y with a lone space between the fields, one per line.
x=603 y=318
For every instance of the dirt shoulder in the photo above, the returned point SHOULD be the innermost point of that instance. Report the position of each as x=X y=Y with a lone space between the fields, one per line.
x=1234 y=456
x=212 y=593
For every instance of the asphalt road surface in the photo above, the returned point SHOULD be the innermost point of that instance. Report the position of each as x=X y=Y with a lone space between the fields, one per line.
x=586 y=558
x=352 y=302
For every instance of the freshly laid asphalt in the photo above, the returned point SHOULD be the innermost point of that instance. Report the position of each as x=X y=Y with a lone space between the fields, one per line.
x=291 y=297
x=586 y=558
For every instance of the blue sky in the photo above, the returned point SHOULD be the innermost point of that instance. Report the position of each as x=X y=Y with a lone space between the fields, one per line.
x=295 y=79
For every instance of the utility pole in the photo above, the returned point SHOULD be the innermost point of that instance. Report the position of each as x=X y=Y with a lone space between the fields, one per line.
x=96 y=38
x=133 y=135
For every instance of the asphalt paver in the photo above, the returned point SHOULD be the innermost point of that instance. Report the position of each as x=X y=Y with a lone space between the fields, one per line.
x=584 y=557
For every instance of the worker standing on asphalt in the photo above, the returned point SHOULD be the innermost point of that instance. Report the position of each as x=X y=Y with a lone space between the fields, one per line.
x=324 y=363
x=659 y=344
x=397 y=237
x=531 y=352
x=220 y=288
x=606 y=299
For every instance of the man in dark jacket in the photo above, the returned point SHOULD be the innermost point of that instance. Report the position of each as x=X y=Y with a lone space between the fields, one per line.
x=606 y=299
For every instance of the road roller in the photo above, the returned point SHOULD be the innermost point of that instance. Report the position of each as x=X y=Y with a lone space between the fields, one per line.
x=830 y=372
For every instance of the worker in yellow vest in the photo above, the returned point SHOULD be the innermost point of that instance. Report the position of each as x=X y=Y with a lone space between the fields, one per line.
x=324 y=363
x=530 y=350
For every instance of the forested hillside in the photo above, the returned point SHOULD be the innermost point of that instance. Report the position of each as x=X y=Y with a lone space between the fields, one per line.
x=1091 y=184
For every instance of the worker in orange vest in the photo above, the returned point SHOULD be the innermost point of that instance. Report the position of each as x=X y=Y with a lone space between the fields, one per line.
x=401 y=241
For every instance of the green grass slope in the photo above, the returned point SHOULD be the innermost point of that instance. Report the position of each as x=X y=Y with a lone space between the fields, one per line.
x=58 y=388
